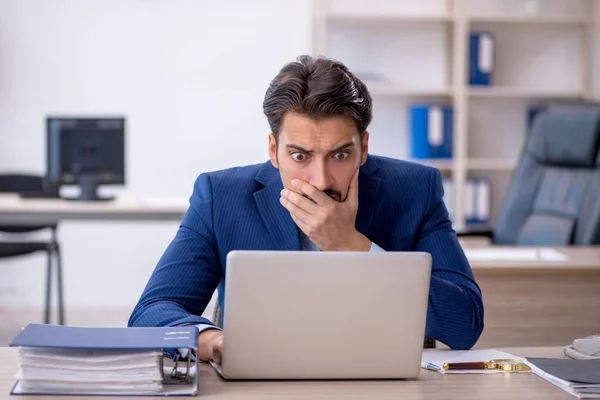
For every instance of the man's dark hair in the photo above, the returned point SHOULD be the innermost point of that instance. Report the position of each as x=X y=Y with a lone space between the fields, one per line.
x=318 y=88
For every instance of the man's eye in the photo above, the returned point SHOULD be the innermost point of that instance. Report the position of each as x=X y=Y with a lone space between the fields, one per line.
x=299 y=156
x=342 y=155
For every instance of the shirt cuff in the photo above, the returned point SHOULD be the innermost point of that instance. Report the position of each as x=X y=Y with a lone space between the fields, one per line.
x=376 y=249
x=201 y=328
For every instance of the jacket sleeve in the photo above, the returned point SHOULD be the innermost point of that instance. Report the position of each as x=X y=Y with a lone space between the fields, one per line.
x=455 y=310
x=189 y=271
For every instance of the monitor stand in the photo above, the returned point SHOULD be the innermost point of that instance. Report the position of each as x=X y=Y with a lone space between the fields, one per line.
x=89 y=189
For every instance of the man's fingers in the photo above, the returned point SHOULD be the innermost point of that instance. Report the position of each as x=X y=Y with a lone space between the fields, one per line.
x=304 y=227
x=294 y=209
x=302 y=202
x=217 y=352
x=318 y=196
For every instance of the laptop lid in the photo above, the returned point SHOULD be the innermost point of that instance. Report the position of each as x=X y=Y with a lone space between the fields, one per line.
x=324 y=315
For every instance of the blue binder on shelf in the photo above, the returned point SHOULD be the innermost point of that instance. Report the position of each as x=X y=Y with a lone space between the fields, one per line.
x=431 y=128
x=478 y=201
x=481 y=58
x=64 y=360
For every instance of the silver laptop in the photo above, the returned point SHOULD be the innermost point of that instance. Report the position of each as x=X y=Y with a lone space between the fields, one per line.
x=324 y=315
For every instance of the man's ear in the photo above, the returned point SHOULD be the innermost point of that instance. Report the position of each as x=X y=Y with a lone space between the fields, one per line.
x=364 y=147
x=273 y=150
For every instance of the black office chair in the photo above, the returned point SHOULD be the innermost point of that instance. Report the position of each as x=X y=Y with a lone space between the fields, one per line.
x=33 y=184
x=552 y=199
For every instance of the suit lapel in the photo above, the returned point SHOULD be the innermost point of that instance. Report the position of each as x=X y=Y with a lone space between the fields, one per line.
x=281 y=226
x=368 y=193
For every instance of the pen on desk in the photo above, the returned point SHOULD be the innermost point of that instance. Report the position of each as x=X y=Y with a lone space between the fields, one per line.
x=429 y=366
x=464 y=365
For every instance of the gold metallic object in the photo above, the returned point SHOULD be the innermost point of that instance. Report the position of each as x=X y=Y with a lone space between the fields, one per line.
x=508 y=365
x=499 y=364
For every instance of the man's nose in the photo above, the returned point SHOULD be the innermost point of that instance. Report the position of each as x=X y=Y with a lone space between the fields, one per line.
x=320 y=177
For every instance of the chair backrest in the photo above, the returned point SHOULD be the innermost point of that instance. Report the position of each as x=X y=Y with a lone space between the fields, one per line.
x=18 y=183
x=553 y=195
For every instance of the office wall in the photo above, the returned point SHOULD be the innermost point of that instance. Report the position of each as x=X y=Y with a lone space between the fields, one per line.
x=188 y=74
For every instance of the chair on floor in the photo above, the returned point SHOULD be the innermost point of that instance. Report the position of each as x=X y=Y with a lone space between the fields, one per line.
x=16 y=246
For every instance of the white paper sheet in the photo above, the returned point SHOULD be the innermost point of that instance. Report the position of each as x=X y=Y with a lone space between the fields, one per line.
x=509 y=254
x=438 y=358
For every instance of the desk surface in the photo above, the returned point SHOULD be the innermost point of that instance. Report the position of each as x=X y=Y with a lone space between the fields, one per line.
x=14 y=209
x=429 y=385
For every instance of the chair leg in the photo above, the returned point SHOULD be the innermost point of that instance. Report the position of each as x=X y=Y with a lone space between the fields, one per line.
x=48 y=288
x=59 y=284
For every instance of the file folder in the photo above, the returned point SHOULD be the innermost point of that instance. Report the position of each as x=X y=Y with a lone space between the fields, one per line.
x=432 y=128
x=470 y=202
x=483 y=201
x=478 y=201
x=448 y=198
x=481 y=58
x=63 y=346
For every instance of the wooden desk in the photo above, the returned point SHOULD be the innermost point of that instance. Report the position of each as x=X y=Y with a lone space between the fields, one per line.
x=538 y=303
x=429 y=385
x=14 y=210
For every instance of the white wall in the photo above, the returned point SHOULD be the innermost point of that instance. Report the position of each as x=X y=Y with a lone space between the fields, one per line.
x=189 y=75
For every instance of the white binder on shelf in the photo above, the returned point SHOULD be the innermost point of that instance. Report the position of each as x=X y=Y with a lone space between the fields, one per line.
x=478 y=201
x=470 y=201
x=448 y=198
x=483 y=201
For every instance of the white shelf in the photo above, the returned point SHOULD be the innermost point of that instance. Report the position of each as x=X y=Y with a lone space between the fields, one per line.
x=443 y=164
x=362 y=18
x=491 y=164
x=521 y=92
x=536 y=20
x=392 y=89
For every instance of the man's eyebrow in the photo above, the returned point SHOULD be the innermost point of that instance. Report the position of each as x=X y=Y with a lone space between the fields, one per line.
x=299 y=148
x=296 y=147
x=342 y=147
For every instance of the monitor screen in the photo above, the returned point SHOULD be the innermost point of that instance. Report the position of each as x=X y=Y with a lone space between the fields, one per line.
x=86 y=147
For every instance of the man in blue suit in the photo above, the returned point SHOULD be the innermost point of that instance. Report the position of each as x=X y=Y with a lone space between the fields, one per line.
x=319 y=191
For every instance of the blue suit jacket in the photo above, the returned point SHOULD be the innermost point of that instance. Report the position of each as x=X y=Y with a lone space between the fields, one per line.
x=400 y=209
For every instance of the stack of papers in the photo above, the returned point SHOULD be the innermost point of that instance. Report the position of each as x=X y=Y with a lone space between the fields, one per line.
x=74 y=360
x=580 y=378
x=80 y=371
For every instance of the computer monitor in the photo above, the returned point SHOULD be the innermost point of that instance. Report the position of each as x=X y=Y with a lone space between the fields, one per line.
x=87 y=152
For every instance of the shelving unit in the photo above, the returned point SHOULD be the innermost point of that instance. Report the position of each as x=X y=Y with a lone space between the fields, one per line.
x=366 y=19
x=545 y=20
x=417 y=52
x=382 y=89
x=525 y=93
x=491 y=164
